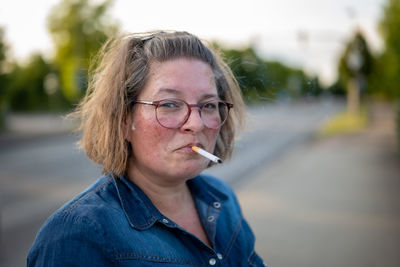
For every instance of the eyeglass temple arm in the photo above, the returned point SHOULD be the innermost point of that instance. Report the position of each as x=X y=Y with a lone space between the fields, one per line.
x=146 y=102
x=230 y=105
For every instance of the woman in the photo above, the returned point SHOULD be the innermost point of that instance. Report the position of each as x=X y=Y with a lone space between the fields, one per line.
x=152 y=98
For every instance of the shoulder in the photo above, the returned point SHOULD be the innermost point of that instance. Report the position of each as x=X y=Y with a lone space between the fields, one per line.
x=92 y=202
x=89 y=206
x=76 y=229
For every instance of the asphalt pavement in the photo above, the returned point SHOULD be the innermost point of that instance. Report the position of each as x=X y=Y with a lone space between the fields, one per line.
x=330 y=202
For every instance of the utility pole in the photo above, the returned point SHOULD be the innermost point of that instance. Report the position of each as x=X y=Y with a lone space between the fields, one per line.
x=354 y=63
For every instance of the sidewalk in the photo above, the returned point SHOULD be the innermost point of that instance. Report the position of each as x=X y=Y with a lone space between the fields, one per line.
x=331 y=202
x=26 y=127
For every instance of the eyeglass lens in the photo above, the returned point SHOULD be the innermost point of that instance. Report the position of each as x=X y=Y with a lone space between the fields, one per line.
x=174 y=113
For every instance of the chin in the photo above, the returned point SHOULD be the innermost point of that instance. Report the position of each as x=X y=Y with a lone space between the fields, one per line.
x=192 y=174
x=190 y=171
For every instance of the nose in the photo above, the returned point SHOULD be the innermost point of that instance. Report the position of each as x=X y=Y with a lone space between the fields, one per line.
x=194 y=122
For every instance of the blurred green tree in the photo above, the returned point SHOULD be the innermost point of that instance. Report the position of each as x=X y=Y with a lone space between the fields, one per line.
x=355 y=67
x=3 y=50
x=3 y=77
x=27 y=90
x=250 y=72
x=356 y=62
x=386 y=75
x=78 y=29
x=262 y=80
x=386 y=78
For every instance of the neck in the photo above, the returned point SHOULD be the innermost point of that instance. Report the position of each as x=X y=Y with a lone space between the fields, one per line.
x=172 y=198
x=167 y=196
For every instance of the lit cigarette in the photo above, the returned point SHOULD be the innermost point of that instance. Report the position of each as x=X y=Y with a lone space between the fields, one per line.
x=206 y=154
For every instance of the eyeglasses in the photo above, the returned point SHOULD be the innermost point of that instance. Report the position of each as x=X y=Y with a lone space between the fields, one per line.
x=173 y=113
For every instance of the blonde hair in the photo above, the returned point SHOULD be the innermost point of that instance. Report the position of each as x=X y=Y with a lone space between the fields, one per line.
x=117 y=78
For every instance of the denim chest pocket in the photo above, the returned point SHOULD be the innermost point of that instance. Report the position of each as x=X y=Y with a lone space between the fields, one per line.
x=157 y=247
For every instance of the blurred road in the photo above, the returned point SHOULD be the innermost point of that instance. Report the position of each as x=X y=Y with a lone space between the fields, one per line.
x=270 y=132
x=330 y=202
x=37 y=175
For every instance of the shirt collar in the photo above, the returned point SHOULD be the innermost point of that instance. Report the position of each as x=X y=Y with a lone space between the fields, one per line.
x=202 y=189
x=138 y=208
x=140 y=211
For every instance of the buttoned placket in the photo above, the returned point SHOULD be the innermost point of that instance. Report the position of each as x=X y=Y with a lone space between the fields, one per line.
x=209 y=209
x=209 y=221
x=211 y=217
x=215 y=258
x=215 y=261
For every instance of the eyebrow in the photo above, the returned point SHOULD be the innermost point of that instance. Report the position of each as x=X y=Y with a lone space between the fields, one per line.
x=179 y=93
x=169 y=91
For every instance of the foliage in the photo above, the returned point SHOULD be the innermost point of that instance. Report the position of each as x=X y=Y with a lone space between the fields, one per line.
x=3 y=77
x=337 y=89
x=27 y=90
x=78 y=29
x=3 y=47
x=379 y=73
x=387 y=78
x=357 y=62
x=262 y=80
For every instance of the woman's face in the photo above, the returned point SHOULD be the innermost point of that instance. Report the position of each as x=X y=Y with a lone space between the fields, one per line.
x=163 y=152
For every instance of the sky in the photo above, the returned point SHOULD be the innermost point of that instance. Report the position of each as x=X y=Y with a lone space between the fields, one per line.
x=308 y=34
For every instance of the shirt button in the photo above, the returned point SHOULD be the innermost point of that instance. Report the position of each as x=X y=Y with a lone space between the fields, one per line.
x=165 y=221
x=219 y=255
x=217 y=205
x=212 y=261
x=210 y=218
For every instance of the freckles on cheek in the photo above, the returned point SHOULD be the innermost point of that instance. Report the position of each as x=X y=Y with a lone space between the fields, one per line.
x=151 y=138
x=156 y=136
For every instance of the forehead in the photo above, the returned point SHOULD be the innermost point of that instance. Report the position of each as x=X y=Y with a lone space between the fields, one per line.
x=182 y=76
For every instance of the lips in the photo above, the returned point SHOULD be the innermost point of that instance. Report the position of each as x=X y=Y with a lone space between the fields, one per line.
x=188 y=146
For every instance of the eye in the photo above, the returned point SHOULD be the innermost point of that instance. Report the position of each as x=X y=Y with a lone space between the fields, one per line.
x=170 y=104
x=210 y=106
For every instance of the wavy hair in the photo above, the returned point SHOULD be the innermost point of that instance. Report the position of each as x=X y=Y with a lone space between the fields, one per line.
x=119 y=74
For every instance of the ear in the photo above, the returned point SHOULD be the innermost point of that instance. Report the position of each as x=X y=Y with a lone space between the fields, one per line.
x=127 y=126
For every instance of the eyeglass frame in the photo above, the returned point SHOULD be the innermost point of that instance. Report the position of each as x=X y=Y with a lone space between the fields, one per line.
x=156 y=103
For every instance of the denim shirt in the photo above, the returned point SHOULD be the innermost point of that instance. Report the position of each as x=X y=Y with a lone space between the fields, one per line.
x=113 y=223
